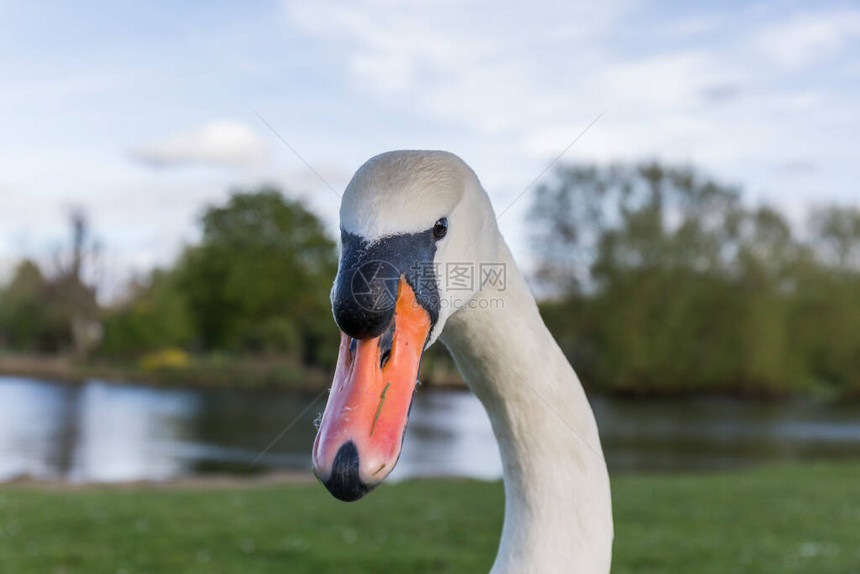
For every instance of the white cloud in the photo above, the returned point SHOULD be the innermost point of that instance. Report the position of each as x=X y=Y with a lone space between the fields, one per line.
x=219 y=142
x=738 y=90
x=482 y=65
x=806 y=39
x=535 y=75
x=666 y=82
x=514 y=85
x=692 y=27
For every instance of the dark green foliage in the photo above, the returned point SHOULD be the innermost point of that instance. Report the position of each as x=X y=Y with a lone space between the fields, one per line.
x=32 y=319
x=260 y=279
x=156 y=316
x=672 y=285
x=257 y=283
x=662 y=281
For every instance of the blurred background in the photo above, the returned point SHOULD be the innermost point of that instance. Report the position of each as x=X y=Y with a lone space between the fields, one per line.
x=679 y=182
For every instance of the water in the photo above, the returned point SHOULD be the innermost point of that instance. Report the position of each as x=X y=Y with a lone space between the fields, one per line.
x=116 y=432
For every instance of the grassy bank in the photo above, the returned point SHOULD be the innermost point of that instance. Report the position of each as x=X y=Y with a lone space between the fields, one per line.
x=778 y=520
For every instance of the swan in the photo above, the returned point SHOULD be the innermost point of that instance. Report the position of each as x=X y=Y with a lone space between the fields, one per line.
x=407 y=218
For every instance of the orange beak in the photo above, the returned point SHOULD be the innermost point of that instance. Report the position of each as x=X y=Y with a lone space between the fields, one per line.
x=361 y=432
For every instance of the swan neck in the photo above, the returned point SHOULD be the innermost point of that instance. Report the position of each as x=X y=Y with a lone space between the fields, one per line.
x=558 y=514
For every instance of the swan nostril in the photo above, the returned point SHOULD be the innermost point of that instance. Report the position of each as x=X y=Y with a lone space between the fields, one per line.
x=353 y=344
x=383 y=360
x=386 y=342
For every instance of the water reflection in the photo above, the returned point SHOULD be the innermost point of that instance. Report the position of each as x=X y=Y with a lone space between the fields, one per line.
x=449 y=435
x=112 y=432
x=721 y=433
x=128 y=433
x=38 y=428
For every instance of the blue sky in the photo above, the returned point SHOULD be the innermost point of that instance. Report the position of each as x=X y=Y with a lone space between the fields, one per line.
x=143 y=113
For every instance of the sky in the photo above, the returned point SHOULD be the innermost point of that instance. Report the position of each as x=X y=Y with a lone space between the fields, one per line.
x=144 y=113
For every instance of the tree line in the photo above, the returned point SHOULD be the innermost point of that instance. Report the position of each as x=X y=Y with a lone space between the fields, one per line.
x=255 y=286
x=664 y=281
x=654 y=279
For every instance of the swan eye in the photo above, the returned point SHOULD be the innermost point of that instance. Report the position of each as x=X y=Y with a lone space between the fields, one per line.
x=440 y=228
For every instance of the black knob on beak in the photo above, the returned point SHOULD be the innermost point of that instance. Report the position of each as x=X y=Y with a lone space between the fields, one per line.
x=368 y=277
x=364 y=298
x=344 y=482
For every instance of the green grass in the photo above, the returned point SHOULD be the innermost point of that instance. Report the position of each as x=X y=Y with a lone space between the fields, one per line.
x=779 y=520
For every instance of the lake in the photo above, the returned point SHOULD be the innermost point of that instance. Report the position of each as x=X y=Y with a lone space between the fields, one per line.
x=101 y=431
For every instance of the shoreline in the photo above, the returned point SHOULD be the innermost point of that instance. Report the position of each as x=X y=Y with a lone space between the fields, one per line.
x=272 y=478
x=245 y=373
x=248 y=374
x=299 y=477
x=204 y=372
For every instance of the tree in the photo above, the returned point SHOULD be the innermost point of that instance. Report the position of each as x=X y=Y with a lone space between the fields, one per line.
x=69 y=291
x=670 y=284
x=836 y=236
x=29 y=320
x=259 y=281
x=825 y=315
x=155 y=316
x=591 y=221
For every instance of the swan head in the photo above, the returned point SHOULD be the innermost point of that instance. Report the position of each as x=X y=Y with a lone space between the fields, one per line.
x=416 y=227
